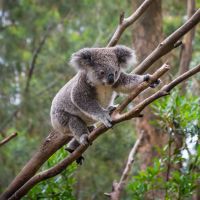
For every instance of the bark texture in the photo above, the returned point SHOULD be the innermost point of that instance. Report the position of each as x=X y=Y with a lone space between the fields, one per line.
x=186 y=50
x=145 y=40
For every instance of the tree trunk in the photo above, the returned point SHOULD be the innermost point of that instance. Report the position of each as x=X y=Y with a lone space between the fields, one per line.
x=147 y=34
x=186 y=50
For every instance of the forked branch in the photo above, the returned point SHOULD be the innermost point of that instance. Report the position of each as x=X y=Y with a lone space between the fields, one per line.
x=126 y=22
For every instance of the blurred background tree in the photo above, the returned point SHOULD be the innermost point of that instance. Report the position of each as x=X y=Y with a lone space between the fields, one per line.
x=37 y=39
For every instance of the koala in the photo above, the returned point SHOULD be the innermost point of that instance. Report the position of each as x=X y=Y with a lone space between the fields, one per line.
x=88 y=97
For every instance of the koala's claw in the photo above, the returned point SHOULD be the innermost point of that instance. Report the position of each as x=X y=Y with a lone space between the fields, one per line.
x=112 y=108
x=91 y=128
x=69 y=149
x=80 y=160
x=84 y=140
x=146 y=77
x=154 y=84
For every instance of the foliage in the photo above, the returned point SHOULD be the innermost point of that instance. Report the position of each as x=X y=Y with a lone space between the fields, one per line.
x=57 y=188
x=174 y=174
x=180 y=185
x=179 y=112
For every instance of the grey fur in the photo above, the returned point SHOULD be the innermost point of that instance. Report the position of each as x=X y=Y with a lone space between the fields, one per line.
x=85 y=99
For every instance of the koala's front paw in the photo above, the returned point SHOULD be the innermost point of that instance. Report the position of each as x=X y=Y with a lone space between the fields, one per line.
x=146 y=77
x=106 y=119
x=84 y=140
x=154 y=84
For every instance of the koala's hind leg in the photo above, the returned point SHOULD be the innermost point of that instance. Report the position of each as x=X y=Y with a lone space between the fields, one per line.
x=71 y=146
x=79 y=129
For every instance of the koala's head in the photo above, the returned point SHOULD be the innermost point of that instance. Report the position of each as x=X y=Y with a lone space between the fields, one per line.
x=103 y=65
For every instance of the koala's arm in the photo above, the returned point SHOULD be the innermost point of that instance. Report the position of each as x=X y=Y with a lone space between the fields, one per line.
x=127 y=82
x=83 y=97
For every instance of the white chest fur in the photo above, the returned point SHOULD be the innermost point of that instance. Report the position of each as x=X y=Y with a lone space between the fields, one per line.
x=105 y=95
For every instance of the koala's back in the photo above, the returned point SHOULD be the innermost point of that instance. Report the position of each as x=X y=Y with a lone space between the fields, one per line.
x=62 y=100
x=62 y=105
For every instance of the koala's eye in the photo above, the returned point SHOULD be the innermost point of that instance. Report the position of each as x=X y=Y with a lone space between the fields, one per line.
x=116 y=73
x=102 y=72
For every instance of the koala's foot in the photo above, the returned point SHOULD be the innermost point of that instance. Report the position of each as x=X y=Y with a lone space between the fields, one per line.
x=79 y=160
x=154 y=84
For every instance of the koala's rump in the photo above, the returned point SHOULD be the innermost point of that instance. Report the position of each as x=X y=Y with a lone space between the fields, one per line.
x=62 y=108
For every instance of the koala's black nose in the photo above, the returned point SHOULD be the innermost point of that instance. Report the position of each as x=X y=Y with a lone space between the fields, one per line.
x=110 y=78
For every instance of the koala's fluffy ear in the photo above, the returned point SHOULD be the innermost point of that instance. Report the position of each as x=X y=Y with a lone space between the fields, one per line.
x=81 y=59
x=125 y=55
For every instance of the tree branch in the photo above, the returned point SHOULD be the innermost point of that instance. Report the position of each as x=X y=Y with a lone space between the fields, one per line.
x=162 y=92
x=126 y=22
x=162 y=70
x=7 y=139
x=118 y=187
x=168 y=44
x=35 y=56
x=50 y=145
x=97 y=132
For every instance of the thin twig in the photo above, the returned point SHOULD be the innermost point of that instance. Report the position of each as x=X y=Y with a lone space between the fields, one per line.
x=7 y=139
x=118 y=187
x=35 y=56
x=126 y=22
